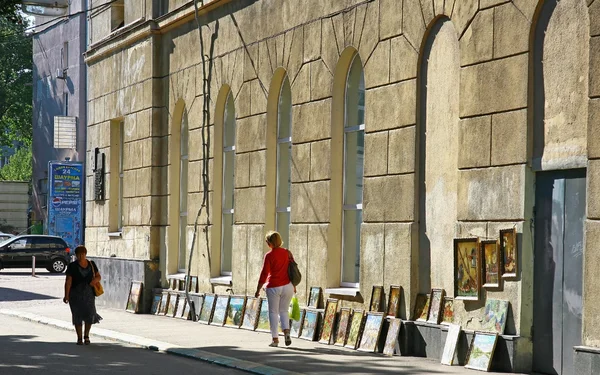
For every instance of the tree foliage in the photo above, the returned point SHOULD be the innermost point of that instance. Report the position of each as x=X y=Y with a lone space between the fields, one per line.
x=9 y=10
x=18 y=167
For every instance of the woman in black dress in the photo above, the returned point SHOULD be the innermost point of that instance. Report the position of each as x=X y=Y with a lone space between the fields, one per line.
x=82 y=275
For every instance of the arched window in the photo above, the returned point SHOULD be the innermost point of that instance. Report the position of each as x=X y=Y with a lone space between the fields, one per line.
x=228 y=185
x=183 y=192
x=284 y=160
x=354 y=141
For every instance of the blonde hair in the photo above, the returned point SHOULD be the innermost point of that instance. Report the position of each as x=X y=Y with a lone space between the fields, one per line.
x=274 y=238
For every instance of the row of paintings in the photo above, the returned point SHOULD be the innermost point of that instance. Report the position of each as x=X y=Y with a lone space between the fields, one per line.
x=377 y=299
x=180 y=284
x=487 y=262
x=434 y=308
x=171 y=304
x=480 y=353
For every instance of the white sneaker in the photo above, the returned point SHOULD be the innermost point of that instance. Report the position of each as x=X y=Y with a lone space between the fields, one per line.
x=273 y=344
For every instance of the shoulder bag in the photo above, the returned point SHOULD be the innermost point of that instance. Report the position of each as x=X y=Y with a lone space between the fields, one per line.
x=293 y=271
x=98 y=288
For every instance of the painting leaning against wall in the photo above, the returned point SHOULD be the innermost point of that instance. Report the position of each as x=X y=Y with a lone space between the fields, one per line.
x=467 y=270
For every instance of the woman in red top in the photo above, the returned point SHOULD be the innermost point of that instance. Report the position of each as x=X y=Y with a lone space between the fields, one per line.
x=279 y=289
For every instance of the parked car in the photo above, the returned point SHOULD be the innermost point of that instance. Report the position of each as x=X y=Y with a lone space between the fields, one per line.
x=50 y=252
x=5 y=236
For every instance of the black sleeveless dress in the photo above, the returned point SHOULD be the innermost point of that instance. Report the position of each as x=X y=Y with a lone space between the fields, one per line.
x=82 y=299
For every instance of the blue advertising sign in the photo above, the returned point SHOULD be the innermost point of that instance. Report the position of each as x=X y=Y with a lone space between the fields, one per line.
x=65 y=201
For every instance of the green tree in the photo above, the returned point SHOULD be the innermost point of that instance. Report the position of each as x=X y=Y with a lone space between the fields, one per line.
x=9 y=9
x=18 y=167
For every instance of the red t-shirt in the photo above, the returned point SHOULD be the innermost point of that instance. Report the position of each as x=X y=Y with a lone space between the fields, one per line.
x=275 y=268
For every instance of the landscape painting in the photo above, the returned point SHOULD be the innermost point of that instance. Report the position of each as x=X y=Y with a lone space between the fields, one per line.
x=481 y=351
x=376 y=297
x=496 y=312
x=135 y=293
x=193 y=284
x=421 y=307
x=508 y=248
x=448 y=314
x=186 y=310
x=314 y=297
x=355 y=329
x=296 y=325
x=450 y=346
x=251 y=313
x=207 y=308
x=180 y=307
x=329 y=321
x=220 y=310
x=392 y=337
x=263 y=317
x=491 y=263
x=155 y=303
x=342 y=328
x=370 y=335
x=467 y=268
x=164 y=304
x=172 y=304
x=436 y=305
x=393 y=306
x=310 y=325
x=235 y=313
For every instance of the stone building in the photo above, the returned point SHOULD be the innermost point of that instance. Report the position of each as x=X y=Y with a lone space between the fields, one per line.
x=370 y=134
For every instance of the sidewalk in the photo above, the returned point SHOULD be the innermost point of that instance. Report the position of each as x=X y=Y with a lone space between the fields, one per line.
x=232 y=347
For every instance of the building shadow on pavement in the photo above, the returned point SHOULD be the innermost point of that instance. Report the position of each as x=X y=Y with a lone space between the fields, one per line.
x=13 y=295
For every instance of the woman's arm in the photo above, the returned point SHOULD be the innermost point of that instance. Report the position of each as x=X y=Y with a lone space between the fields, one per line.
x=68 y=282
x=263 y=276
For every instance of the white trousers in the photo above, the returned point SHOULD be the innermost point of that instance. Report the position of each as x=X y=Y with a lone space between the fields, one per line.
x=279 y=303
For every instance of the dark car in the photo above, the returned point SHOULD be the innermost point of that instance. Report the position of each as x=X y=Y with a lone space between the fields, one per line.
x=50 y=252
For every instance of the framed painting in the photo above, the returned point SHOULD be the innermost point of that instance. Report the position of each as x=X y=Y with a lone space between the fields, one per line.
x=310 y=325
x=421 y=307
x=208 y=305
x=296 y=325
x=156 y=298
x=355 y=330
x=187 y=309
x=436 y=305
x=251 y=313
x=448 y=312
x=509 y=251
x=376 y=297
x=164 y=304
x=342 y=327
x=181 y=285
x=491 y=263
x=393 y=306
x=173 y=284
x=370 y=336
x=450 y=346
x=314 y=298
x=329 y=321
x=467 y=268
x=172 y=308
x=180 y=307
x=220 y=312
x=135 y=293
x=235 y=312
x=193 y=284
x=481 y=351
x=263 y=317
x=391 y=340
x=198 y=302
x=494 y=319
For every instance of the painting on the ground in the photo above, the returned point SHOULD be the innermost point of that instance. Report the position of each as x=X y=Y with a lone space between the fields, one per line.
x=481 y=351
x=172 y=304
x=220 y=310
x=376 y=297
x=174 y=284
x=155 y=303
x=342 y=327
x=436 y=305
x=207 y=308
x=467 y=268
x=356 y=324
x=421 y=307
x=508 y=248
x=393 y=306
x=494 y=319
x=263 y=317
x=135 y=294
x=193 y=284
x=491 y=263
x=392 y=336
x=180 y=307
x=448 y=311
x=450 y=346
x=198 y=302
x=296 y=325
x=186 y=310
x=251 y=313
x=164 y=304
x=314 y=297
x=310 y=325
x=235 y=313
x=328 y=321
x=370 y=335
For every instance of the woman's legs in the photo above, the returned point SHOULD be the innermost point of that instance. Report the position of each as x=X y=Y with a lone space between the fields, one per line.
x=274 y=296
x=86 y=336
x=287 y=292
x=78 y=330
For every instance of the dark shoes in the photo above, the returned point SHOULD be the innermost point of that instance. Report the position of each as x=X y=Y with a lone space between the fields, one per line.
x=85 y=340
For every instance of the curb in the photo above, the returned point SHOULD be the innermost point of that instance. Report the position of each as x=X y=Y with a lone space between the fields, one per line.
x=196 y=354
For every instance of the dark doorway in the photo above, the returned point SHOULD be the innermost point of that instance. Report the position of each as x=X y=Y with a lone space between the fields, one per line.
x=558 y=266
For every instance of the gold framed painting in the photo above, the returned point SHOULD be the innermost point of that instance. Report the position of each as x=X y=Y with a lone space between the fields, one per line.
x=448 y=312
x=376 y=298
x=421 y=312
x=314 y=297
x=371 y=331
x=342 y=327
x=509 y=251
x=481 y=351
x=329 y=321
x=467 y=269
x=355 y=330
x=135 y=294
x=391 y=339
x=436 y=305
x=393 y=306
x=492 y=263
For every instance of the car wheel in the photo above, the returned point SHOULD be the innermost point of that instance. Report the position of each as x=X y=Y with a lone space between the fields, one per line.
x=58 y=266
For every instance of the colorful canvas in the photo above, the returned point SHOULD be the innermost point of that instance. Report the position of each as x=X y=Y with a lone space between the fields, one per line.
x=135 y=293
x=251 y=313
x=193 y=284
x=186 y=310
x=448 y=314
x=370 y=335
x=496 y=312
x=481 y=351
x=450 y=346
x=155 y=303
x=356 y=325
x=180 y=307
x=172 y=304
x=342 y=328
x=435 y=309
x=508 y=248
x=467 y=269
x=393 y=306
x=421 y=307
x=310 y=325
x=314 y=297
x=491 y=264
x=263 y=317
x=376 y=297
x=207 y=308
x=220 y=310
x=235 y=313
x=296 y=325
x=164 y=304
x=392 y=337
x=328 y=321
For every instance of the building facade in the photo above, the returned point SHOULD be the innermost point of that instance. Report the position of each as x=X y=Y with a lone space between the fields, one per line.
x=371 y=134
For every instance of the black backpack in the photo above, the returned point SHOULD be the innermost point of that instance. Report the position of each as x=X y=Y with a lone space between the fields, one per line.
x=293 y=271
